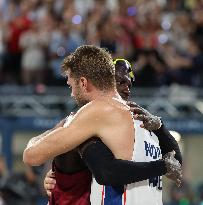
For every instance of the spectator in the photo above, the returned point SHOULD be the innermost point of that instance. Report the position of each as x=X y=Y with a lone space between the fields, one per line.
x=16 y=27
x=33 y=44
x=134 y=30
x=187 y=69
x=150 y=69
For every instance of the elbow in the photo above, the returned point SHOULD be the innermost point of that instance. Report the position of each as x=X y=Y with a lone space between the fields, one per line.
x=104 y=177
x=30 y=159
x=102 y=180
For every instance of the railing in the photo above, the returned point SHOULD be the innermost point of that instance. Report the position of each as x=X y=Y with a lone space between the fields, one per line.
x=169 y=102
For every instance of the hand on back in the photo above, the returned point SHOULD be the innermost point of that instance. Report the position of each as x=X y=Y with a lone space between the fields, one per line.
x=150 y=122
x=49 y=182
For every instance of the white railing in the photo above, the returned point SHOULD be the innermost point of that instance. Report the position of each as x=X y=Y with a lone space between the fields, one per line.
x=174 y=101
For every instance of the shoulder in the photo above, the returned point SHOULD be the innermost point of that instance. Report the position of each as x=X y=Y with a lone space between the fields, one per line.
x=96 y=106
x=94 y=111
x=103 y=110
x=88 y=112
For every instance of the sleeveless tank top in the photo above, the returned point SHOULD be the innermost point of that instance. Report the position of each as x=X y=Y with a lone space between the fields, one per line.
x=146 y=148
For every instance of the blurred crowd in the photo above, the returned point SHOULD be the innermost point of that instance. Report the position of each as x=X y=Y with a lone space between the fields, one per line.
x=21 y=188
x=163 y=39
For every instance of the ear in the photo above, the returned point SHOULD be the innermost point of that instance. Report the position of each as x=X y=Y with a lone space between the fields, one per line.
x=84 y=83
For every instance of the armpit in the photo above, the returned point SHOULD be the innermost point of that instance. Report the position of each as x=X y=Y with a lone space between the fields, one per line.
x=85 y=144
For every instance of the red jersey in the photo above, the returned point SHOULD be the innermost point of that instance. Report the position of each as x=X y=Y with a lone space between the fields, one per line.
x=71 y=189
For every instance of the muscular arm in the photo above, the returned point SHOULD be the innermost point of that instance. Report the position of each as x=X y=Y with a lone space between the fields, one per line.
x=89 y=121
x=111 y=171
x=35 y=139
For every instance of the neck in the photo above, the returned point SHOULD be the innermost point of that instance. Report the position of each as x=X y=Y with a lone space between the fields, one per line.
x=105 y=94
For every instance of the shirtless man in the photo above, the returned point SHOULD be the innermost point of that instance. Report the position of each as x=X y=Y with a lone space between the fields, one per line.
x=97 y=86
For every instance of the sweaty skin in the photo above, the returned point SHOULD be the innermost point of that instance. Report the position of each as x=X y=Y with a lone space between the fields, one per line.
x=93 y=119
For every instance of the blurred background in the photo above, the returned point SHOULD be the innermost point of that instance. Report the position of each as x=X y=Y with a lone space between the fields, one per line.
x=163 y=39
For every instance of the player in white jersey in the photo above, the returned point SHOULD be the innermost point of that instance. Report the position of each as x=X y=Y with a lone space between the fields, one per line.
x=148 y=191
x=146 y=148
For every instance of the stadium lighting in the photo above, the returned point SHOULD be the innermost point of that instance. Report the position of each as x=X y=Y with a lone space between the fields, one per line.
x=77 y=19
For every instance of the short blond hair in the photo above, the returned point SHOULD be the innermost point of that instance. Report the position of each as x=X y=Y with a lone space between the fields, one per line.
x=93 y=63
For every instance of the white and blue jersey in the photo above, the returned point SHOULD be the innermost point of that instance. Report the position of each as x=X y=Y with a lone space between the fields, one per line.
x=146 y=148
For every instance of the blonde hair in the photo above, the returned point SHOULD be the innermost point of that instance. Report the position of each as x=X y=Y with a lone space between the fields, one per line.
x=93 y=63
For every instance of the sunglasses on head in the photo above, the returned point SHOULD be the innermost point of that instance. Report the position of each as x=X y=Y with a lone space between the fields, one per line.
x=127 y=64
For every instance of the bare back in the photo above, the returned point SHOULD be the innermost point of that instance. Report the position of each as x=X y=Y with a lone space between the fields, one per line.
x=106 y=118
x=118 y=129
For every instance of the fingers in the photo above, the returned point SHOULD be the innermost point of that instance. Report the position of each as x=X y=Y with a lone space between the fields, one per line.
x=174 y=169
x=48 y=193
x=137 y=110
x=132 y=104
x=51 y=174
x=172 y=153
x=142 y=118
x=142 y=126
x=179 y=180
x=178 y=183
x=49 y=182
x=176 y=177
x=171 y=156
